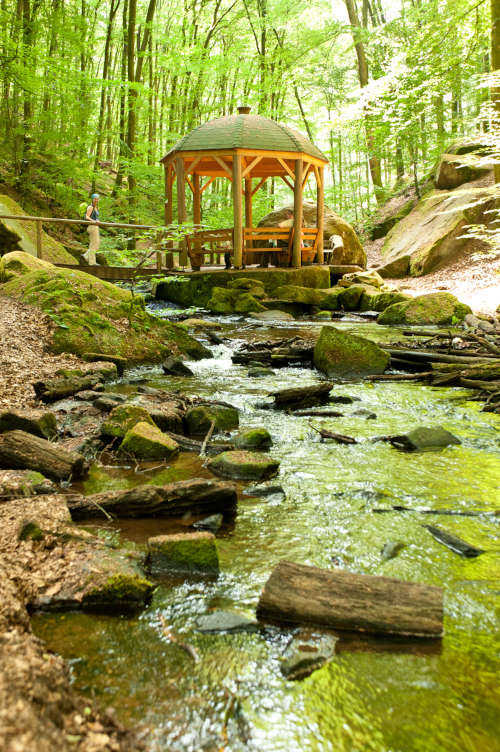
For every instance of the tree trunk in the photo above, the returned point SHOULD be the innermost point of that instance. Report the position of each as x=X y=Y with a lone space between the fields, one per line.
x=23 y=451
x=495 y=67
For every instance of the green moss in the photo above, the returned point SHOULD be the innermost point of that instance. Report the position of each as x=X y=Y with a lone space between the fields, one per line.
x=148 y=442
x=350 y=297
x=119 y=591
x=246 y=303
x=93 y=315
x=338 y=353
x=244 y=283
x=243 y=465
x=199 y=419
x=222 y=300
x=381 y=301
x=253 y=438
x=439 y=308
x=30 y=531
x=185 y=552
x=122 y=418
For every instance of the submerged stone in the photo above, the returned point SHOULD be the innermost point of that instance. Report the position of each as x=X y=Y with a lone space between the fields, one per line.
x=243 y=465
x=122 y=592
x=188 y=552
x=258 y=373
x=307 y=652
x=253 y=438
x=338 y=353
x=226 y=621
x=391 y=549
x=212 y=523
x=147 y=442
x=272 y=315
x=424 y=437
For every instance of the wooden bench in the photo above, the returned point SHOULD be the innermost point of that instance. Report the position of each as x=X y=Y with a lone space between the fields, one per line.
x=218 y=241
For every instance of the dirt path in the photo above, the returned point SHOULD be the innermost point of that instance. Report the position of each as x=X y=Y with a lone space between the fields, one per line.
x=474 y=278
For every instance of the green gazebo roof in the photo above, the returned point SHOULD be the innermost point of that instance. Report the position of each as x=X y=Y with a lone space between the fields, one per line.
x=246 y=132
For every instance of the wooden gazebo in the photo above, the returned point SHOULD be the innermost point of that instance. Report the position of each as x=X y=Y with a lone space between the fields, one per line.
x=245 y=148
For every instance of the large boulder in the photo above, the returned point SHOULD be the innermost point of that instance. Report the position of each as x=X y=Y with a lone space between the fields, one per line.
x=454 y=170
x=352 y=251
x=91 y=315
x=338 y=353
x=236 y=300
x=379 y=301
x=390 y=214
x=431 y=234
x=441 y=308
x=21 y=236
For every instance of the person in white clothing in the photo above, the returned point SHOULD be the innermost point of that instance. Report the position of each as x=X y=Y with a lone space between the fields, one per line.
x=92 y=215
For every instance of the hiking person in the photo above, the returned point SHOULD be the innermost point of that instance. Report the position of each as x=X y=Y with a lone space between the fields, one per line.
x=92 y=215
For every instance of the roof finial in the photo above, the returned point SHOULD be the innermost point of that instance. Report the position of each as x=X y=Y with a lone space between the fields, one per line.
x=244 y=110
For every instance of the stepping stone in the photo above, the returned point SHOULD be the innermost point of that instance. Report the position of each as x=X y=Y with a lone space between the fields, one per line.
x=242 y=465
x=226 y=621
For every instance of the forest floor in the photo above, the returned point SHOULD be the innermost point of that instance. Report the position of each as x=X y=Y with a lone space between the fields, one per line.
x=474 y=277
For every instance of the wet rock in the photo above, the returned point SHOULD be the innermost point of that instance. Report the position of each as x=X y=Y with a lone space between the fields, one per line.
x=272 y=315
x=147 y=442
x=37 y=422
x=226 y=621
x=122 y=419
x=22 y=483
x=199 y=419
x=167 y=413
x=266 y=489
x=253 y=438
x=186 y=552
x=175 y=367
x=119 y=362
x=243 y=465
x=441 y=308
x=424 y=438
x=307 y=652
x=343 y=399
x=338 y=353
x=323 y=315
x=258 y=372
x=107 y=402
x=212 y=523
x=306 y=396
x=121 y=592
x=391 y=549
x=364 y=413
x=88 y=395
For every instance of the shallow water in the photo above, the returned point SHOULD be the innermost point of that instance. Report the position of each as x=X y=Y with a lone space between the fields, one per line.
x=376 y=694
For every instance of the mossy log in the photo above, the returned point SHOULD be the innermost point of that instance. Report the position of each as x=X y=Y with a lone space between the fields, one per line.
x=52 y=390
x=173 y=500
x=299 y=594
x=23 y=451
x=303 y=396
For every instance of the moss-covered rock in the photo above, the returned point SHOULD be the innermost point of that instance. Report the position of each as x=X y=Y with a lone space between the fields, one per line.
x=122 y=592
x=338 y=353
x=396 y=269
x=197 y=288
x=199 y=419
x=147 y=442
x=120 y=363
x=243 y=465
x=21 y=236
x=247 y=303
x=38 y=422
x=17 y=263
x=253 y=439
x=371 y=278
x=222 y=300
x=122 y=418
x=185 y=552
x=424 y=437
x=327 y=299
x=350 y=297
x=245 y=283
x=18 y=484
x=201 y=324
x=93 y=315
x=435 y=308
x=381 y=300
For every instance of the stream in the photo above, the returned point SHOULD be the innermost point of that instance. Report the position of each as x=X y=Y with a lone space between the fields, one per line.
x=377 y=695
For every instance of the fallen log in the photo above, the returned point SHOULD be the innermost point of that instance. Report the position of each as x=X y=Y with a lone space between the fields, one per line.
x=299 y=594
x=319 y=413
x=198 y=496
x=488 y=386
x=23 y=451
x=304 y=396
x=340 y=438
x=399 y=376
x=430 y=356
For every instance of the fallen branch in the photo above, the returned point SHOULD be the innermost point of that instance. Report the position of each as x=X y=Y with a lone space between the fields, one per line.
x=207 y=438
x=338 y=437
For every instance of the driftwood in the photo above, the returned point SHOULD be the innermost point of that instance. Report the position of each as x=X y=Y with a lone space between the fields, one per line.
x=277 y=353
x=23 y=451
x=304 y=396
x=55 y=389
x=192 y=445
x=399 y=376
x=454 y=512
x=340 y=438
x=430 y=356
x=299 y=594
x=457 y=545
x=319 y=413
x=199 y=496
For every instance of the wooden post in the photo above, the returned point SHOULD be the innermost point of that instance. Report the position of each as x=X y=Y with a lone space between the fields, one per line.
x=248 y=207
x=181 y=204
x=197 y=208
x=297 y=216
x=320 y=209
x=168 y=195
x=39 y=239
x=158 y=261
x=237 y=212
